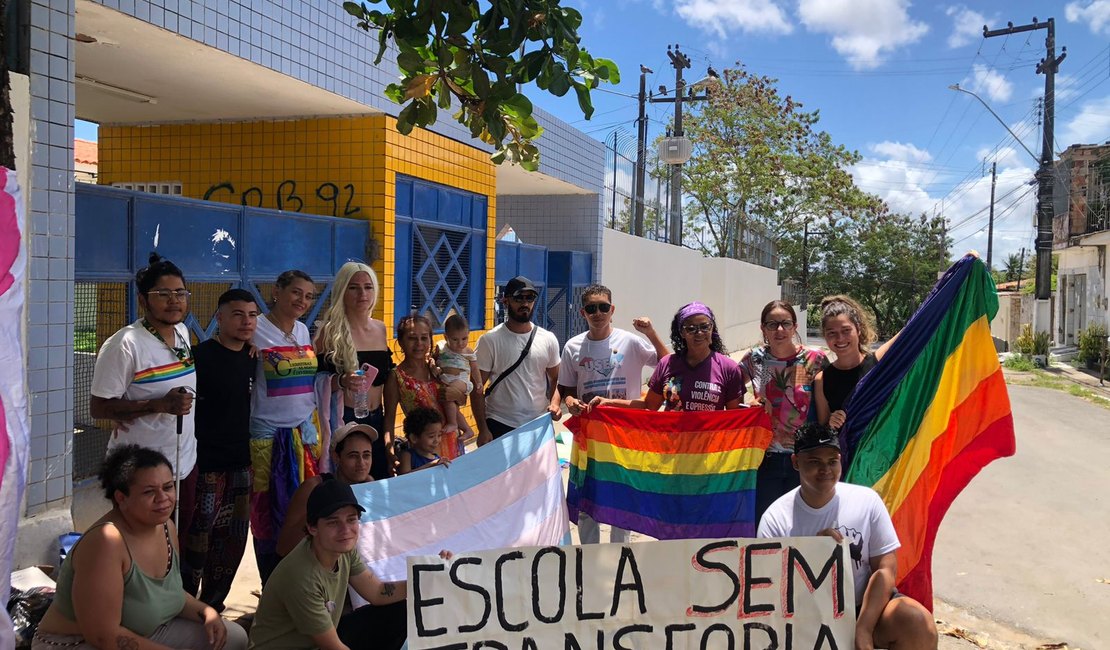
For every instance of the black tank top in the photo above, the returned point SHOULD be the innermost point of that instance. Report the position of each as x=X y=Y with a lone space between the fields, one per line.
x=839 y=384
x=380 y=359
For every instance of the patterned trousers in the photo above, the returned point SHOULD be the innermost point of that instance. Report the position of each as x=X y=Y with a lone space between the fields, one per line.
x=217 y=536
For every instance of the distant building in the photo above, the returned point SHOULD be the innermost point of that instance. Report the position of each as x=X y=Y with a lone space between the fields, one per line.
x=85 y=159
x=1081 y=235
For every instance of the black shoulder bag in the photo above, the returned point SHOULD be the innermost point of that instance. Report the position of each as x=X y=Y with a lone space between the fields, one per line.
x=520 y=360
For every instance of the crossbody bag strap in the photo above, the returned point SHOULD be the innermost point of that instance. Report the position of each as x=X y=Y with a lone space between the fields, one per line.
x=520 y=360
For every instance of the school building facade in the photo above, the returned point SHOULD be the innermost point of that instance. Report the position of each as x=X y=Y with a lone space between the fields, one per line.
x=264 y=110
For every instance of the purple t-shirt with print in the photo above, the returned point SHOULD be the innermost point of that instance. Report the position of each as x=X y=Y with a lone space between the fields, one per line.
x=707 y=386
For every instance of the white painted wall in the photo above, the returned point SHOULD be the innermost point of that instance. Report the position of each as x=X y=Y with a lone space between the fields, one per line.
x=1090 y=261
x=650 y=278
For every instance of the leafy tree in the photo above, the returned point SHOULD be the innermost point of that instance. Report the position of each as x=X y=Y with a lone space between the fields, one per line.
x=886 y=260
x=450 y=51
x=759 y=161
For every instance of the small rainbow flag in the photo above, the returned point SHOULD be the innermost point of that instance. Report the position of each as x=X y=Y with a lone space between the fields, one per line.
x=930 y=415
x=670 y=475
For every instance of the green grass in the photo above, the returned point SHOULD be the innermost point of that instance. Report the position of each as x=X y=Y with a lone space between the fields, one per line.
x=1041 y=379
x=84 y=341
x=1019 y=362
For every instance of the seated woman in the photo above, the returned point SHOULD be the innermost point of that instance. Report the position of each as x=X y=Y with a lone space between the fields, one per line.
x=120 y=586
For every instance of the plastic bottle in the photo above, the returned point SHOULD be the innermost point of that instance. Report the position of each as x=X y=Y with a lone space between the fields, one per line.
x=362 y=394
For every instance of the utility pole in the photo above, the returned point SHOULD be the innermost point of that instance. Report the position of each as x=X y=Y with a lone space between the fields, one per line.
x=805 y=264
x=680 y=62
x=1021 y=269
x=1048 y=66
x=990 y=223
x=641 y=146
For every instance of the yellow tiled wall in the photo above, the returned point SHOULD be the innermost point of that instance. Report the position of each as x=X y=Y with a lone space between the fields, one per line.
x=345 y=167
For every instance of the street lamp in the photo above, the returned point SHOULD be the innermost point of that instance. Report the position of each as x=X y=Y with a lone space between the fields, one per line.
x=1000 y=120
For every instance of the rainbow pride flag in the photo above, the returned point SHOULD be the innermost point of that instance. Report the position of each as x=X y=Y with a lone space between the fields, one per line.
x=930 y=415
x=670 y=475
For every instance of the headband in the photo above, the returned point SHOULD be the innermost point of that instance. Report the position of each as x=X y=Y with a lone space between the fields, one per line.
x=694 y=309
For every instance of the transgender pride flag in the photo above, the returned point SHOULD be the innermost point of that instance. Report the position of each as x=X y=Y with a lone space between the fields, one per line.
x=507 y=493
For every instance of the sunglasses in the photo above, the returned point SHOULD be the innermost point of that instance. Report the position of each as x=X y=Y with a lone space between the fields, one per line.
x=526 y=298
x=595 y=307
x=696 y=329
x=776 y=324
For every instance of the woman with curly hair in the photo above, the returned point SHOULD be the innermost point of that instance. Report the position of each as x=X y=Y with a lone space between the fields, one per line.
x=120 y=586
x=698 y=376
x=849 y=334
x=351 y=337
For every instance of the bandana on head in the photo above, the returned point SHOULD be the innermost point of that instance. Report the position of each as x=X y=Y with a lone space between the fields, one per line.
x=694 y=309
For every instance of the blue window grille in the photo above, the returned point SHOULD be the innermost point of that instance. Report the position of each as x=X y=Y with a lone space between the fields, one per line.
x=441 y=252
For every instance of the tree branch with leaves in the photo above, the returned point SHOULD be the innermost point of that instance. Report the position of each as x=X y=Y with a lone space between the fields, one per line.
x=450 y=52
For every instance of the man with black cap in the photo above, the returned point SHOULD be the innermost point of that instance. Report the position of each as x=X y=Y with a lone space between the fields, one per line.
x=521 y=360
x=304 y=597
x=822 y=505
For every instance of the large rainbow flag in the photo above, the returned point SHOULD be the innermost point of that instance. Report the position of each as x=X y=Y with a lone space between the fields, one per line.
x=930 y=415
x=670 y=475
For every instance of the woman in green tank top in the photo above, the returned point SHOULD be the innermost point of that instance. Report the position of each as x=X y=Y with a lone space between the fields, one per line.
x=120 y=586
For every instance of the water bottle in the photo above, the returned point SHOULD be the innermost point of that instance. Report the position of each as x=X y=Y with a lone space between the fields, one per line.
x=361 y=395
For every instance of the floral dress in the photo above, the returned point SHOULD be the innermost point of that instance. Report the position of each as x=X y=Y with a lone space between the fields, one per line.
x=416 y=393
x=787 y=384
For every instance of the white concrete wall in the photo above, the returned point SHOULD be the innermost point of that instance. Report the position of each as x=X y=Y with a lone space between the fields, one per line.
x=650 y=278
x=1014 y=311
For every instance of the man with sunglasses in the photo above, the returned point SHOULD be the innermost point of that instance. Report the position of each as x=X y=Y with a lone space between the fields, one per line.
x=145 y=379
x=605 y=362
x=522 y=361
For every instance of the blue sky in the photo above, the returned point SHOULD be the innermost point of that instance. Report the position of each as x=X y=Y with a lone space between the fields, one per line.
x=878 y=71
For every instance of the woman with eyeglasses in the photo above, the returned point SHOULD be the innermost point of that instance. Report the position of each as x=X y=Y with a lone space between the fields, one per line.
x=698 y=376
x=350 y=337
x=781 y=372
x=284 y=439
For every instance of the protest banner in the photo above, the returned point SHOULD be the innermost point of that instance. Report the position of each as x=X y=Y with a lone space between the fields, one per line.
x=758 y=594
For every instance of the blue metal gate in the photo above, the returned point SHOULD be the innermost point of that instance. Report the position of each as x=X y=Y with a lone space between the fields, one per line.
x=559 y=276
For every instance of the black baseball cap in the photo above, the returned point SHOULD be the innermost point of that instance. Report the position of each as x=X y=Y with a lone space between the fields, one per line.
x=814 y=436
x=519 y=285
x=329 y=496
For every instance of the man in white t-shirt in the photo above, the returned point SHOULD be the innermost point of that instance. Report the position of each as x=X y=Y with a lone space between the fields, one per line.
x=605 y=362
x=517 y=395
x=822 y=505
x=144 y=379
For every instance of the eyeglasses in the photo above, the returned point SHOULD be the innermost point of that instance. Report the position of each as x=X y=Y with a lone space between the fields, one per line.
x=776 y=324
x=595 y=307
x=165 y=294
x=530 y=297
x=695 y=329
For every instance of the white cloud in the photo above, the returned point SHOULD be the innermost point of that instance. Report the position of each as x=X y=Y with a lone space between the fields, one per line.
x=967 y=26
x=863 y=31
x=1096 y=14
x=722 y=17
x=901 y=151
x=1006 y=157
x=985 y=81
x=916 y=186
x=1091 y=124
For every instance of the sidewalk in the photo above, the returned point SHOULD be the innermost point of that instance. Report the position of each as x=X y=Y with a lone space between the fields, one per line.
x=1085 y=378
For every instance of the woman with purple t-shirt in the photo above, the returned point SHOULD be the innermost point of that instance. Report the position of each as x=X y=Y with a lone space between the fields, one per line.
x=699 y=376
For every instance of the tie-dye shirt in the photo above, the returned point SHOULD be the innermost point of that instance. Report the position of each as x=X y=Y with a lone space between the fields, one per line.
x=283 y=388
x=134 y=365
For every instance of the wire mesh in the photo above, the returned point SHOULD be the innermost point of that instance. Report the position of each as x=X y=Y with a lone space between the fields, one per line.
x=100 y=309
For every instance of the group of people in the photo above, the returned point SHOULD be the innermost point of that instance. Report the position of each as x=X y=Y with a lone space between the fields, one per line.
x=267 y=427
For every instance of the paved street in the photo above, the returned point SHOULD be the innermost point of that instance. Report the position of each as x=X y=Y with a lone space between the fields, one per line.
x=1026 y=543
